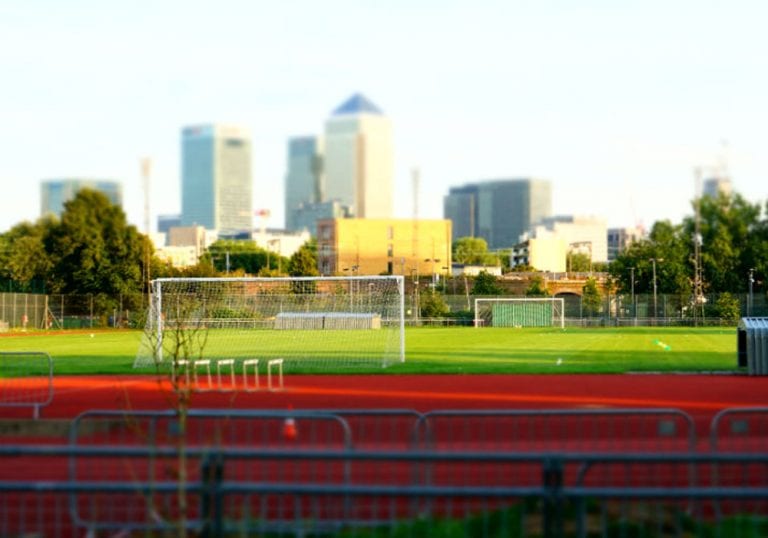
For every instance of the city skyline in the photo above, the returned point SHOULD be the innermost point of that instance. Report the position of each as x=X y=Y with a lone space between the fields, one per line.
x=614 y=104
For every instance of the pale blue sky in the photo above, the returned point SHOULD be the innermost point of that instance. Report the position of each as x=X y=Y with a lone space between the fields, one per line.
x=615 y=102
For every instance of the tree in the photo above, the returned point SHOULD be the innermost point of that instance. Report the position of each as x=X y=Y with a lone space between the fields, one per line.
x=94 y=251
x=432 y=304
x=303 y=262
x=23 y=257
x=537 y=288
x=727 y=308
x=729 y=239
x=578 y=262
x=245 y=256
x=590 y=298
x=472 y=251
x=486 y=284
x=666 y=245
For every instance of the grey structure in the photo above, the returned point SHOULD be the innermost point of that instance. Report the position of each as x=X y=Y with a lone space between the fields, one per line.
x=55 y=192
x=216 y=179
x=303 y=182
x=166 y=222
x=499 y=211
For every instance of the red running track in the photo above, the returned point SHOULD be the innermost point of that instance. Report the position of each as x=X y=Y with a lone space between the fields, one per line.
x=702 y=396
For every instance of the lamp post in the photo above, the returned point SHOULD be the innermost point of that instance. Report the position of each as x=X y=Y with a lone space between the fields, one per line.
x=434 y=261
x=750 y=302
x=655 y=303
x=270 y=244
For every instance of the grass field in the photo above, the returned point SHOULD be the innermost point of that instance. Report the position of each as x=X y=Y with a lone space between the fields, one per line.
x=461 y=350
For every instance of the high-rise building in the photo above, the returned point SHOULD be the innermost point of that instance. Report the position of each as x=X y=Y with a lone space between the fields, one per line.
x=216 y=179
x=499 y=211
x=54 y=192
x=359 y=158
x=713 y=186
x=304 y=180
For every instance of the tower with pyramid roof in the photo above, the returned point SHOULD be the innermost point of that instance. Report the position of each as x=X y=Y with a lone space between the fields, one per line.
x=359 y=158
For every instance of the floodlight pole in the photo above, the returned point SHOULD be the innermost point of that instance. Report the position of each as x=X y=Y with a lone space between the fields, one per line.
x=655 y=303
x=632 y=284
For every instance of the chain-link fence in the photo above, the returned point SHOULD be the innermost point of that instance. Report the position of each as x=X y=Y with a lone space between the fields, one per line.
x=27 y=311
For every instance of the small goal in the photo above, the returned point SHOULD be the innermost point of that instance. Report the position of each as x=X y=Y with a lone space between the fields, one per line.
x=520 y=312
x=312 y=323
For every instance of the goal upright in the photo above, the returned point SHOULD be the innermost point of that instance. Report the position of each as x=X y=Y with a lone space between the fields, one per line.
x=520 y=312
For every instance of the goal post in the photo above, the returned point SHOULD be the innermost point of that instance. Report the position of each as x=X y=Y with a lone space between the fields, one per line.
x=520 y=312
x=313 y=323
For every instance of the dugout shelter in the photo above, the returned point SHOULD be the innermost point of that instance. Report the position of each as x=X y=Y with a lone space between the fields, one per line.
x=752 y=345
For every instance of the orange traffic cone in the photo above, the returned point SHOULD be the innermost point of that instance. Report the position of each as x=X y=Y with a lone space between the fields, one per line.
x=290 y=432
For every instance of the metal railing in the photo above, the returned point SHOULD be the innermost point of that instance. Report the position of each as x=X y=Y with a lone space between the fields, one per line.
x=16 y=389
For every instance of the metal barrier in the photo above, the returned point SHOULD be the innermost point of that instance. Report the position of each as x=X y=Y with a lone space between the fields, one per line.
x=551 y=507
x=739 y=430
x=16 y=367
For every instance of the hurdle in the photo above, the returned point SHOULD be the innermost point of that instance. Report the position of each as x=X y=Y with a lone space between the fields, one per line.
x=207 y=364
x=279 y=364
x=231 y=364
x=255 y=364
x=182 y=365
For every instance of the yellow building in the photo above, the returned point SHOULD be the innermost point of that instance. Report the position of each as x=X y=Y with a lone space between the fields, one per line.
x=384 y=246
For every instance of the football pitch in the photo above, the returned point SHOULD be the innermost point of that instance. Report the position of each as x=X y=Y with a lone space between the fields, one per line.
x=458 y=350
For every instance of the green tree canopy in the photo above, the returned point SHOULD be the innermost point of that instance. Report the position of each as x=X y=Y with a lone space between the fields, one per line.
x=244 y=256
x=590 y=298
x=23 y=256
x=304 y=261
x=432 y=304
x=93 y=250
x=536 y=287
x=472 y=251
x=486 y=284
x=578 y=262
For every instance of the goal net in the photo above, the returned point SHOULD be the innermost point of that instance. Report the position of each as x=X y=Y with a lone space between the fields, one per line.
x=518 y=312
x=312 y=323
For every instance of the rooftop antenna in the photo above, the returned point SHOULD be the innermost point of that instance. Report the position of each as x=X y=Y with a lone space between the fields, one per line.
x=146 y=171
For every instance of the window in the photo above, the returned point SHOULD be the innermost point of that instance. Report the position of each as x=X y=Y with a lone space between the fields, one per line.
x=390 y=251
x=389 y=268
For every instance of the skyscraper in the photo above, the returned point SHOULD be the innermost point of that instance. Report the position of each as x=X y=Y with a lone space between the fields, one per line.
x=303 y=180
x=54 y=192
x=499 y=211
x=216 y=180
x=359 y=158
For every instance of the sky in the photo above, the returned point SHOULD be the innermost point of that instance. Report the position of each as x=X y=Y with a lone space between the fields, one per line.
x=614 y=102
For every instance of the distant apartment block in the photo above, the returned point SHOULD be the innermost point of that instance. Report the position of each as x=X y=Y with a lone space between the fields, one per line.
x=587 y=235
x=499 y=211
x=216 y=178
x=619 y=239
x=55 y=192
x=384 y=246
